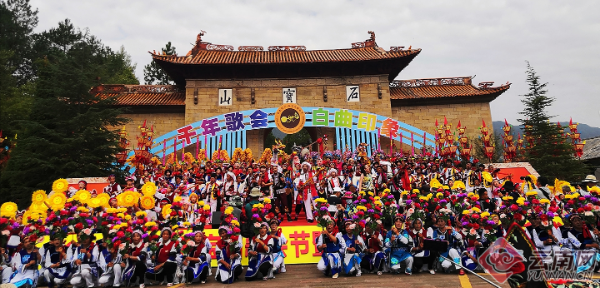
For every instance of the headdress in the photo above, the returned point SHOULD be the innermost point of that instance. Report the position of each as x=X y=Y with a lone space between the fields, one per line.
x=264 y=224
x=274 y=220
x=399 y=217
x=166 y=229
x=308 y=164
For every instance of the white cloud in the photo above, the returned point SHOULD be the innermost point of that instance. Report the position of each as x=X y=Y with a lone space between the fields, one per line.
x=491 y=39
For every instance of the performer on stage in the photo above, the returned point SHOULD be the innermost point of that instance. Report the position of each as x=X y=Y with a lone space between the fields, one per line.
x=134 y=260
x=306 y=191
x=113 y=189
x=374 y=257
x=421 y=257
x=260 y=260
x=164 y=259
x=331 y=247
x=57 y=265
x=5 y=265
x=279 y=241
x=399 y=245
x=445 y=233
x=582 y=242
x=25 y=264
x=229 y=258
x=354 y=247
x=84 y=260
x=109 y=261
x=197 y=262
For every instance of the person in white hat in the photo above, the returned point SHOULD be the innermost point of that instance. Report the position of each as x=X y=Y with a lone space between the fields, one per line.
x=306 y=190
x=334 y=181
x=589 y=182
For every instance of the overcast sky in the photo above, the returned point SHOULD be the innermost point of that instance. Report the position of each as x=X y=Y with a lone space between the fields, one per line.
x=490 y=39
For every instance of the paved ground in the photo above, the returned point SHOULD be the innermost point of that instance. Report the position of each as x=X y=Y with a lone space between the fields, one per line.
x=308 y=276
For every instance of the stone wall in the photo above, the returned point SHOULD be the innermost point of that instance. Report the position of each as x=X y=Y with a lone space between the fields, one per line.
x=163 y=123
x=268 y=94
x=423 y=117
x=255 y=141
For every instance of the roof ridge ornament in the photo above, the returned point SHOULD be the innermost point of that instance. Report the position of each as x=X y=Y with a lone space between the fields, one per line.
x=122 y=88
x=199 y=44
x=486 y=85
x=396 y=48
x=250 y=48
x=367 y=43
x=287 y=48
x=219 y=47
x=431 y=82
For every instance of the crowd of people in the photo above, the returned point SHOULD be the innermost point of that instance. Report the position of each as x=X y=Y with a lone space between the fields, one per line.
x=379 y=214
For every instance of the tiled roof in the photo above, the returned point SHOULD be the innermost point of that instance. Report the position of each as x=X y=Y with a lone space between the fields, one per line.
x=442 y=88
x=142 y=95
x=287 y=56
x=591 y=149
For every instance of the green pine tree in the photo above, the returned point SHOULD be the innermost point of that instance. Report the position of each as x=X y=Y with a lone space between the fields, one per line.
x=549 y=152
x=68 y=133
x=154 y=74
x=17 y=21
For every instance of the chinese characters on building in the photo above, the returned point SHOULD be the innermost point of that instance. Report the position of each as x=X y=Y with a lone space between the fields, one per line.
x=353 y=93
x=225 y=97
x=257 y=119
x=289 y=95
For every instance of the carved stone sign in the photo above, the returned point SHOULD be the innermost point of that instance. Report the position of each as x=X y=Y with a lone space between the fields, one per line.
x=225 y=97
x=352 y=93
x=289 y=95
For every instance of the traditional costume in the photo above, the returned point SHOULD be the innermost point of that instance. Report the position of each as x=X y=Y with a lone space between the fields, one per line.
x=56 y=275
x=223 y=251
x=454 y=242
x=352 y=260
x=331 y=262
x=580 y=243
x=86 y=274
x=308 y=192
x=109 y=264
x=421 y=257
x=278 y=255
x=398 y=247
x=135 y=266
x=373 y=261
x=166 y=253
x=262 y=262
x=25 y=274
x=5 y=263
x=198 y=268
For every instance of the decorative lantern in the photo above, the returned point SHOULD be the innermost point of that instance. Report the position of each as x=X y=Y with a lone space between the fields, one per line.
x=579 y=149
x=123 y=133
x=489 y=151
x=575 y=136
x=466 y=153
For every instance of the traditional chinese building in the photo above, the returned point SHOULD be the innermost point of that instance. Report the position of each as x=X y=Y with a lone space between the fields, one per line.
x=214 y=80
